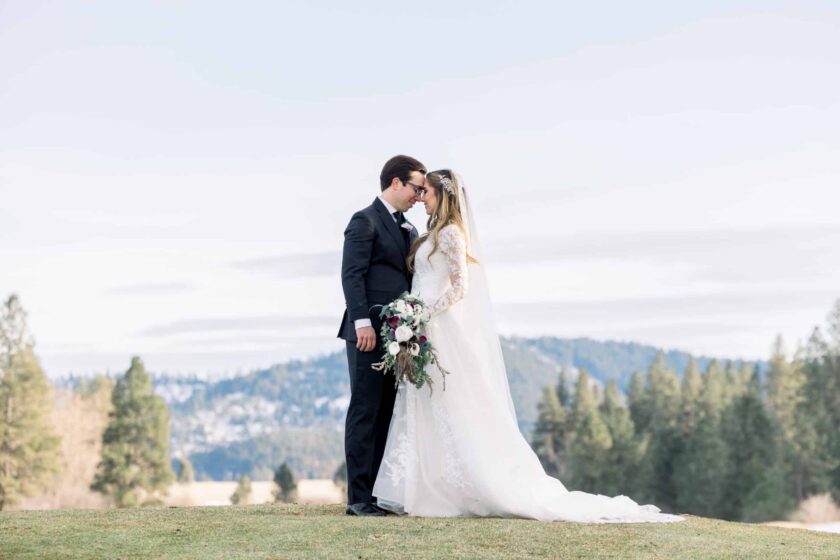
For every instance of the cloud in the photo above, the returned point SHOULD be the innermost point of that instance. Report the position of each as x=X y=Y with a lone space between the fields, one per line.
x=742 y=303
x=222 y=362
x=736 y=324
x=726 y=255
x=154 y=289
x=124 y=219
x=681 y=245
x=271 y=322
x=295 y=266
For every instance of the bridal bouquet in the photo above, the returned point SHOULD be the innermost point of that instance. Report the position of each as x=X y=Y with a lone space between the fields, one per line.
x=407 y=352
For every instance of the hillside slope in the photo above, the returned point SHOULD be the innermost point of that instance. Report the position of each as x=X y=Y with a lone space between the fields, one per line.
x=269 y=531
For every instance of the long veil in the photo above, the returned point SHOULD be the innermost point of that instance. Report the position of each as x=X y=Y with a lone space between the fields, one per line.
x=459 y=451
x=478 y=309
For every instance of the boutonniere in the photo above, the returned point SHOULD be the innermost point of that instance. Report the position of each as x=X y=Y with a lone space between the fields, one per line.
x=407 y=227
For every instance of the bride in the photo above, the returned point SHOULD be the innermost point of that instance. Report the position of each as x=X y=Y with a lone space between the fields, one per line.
x=458 y=451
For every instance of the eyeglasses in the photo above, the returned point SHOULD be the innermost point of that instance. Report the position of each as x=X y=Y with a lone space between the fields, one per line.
x=419 y=190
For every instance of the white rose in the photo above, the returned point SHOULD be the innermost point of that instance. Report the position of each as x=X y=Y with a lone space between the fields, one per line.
x=400 y=306
x=415 y=349
x=403 y=333
x=394 y=348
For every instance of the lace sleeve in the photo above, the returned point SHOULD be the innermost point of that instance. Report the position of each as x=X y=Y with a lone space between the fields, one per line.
x=452 y=245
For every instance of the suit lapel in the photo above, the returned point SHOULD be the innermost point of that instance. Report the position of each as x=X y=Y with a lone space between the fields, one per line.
x=390 y=225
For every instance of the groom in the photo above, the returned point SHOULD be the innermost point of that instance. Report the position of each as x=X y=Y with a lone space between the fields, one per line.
x=374 y=273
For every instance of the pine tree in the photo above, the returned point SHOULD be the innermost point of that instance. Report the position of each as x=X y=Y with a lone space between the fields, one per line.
x=714 y=398
x=29 y=448
x=701 y=467
x=663 y=394
x=242 y=494
x=754 y=485
x=638 y=403
x=621 y=467
x=285 y=484
x=699 y=471
x=340 y=478
x=821 y=363
x=834 y=325
x=97 y=388
x=549 y=439
x=135 y=442
x=563 y=394
x=831 y=374
x=803 y=456
x=591 y=440
x=735 y=384
x=690 y=394
x=745 y=375
x=185 y=470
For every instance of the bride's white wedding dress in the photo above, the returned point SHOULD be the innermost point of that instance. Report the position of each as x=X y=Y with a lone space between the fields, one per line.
x=458 y=451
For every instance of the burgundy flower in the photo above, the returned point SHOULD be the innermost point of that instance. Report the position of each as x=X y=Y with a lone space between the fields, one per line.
x=394 y=321
x=422 y=338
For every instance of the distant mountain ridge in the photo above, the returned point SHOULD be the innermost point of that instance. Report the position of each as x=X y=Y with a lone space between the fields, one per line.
x=295 y=411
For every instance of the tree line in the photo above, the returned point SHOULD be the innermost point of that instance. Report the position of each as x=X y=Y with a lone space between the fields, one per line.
x=727 y=442
x=134 y=467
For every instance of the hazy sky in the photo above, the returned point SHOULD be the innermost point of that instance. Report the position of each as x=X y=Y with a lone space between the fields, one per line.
x=175 y=177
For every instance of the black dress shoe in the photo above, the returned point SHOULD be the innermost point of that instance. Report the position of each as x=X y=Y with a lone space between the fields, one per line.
x=382 y=509
x=364 y=509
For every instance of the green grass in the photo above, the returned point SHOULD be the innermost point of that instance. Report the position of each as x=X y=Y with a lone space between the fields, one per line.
x=297 y=531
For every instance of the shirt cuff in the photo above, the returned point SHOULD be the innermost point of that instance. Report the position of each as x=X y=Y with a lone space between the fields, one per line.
x=362 y=323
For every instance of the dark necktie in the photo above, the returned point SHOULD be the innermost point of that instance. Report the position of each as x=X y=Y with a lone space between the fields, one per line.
x=405 y=233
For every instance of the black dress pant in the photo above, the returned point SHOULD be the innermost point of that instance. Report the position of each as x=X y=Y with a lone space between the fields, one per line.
x=372 y=395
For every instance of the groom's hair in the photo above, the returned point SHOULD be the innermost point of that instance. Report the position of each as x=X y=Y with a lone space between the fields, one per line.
x=400 y=167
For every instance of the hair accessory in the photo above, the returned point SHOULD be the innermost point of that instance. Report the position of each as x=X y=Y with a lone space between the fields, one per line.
x=447 y=184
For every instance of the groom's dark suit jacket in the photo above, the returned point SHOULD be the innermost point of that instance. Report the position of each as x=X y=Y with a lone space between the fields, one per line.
x=373 y=272
x=373 y=267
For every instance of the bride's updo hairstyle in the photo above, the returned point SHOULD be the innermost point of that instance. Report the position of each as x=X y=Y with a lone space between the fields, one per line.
x=448 y=211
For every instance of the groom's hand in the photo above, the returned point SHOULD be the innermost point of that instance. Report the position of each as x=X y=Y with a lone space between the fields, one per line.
x=365 y=339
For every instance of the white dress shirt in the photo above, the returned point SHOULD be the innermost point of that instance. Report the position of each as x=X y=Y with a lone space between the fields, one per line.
x=365 y=322
x=388 y=206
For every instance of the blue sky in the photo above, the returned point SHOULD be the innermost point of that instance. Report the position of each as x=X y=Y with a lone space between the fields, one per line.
x=176 y=176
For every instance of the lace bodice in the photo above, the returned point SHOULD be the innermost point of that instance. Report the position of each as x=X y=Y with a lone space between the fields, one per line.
x=442 y=280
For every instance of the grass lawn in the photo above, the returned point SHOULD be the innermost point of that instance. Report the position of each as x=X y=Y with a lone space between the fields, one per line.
x=306 y=531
